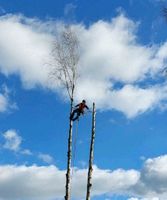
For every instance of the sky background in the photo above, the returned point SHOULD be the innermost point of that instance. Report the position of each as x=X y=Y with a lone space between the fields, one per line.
x=122 y=63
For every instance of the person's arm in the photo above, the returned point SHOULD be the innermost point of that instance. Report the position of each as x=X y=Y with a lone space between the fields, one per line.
x=77 y=105
x=86 y=107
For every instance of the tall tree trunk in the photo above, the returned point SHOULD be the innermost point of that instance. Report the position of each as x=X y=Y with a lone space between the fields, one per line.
x=91 y=155
x=69 y=157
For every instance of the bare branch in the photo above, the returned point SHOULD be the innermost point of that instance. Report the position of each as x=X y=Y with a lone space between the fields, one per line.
x=65 y=55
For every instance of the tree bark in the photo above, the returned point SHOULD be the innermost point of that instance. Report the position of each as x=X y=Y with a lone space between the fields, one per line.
x=69 y=157
x=91 y=155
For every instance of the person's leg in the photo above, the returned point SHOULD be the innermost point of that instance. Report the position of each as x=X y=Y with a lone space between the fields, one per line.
x=77 y=117
x=73 y=113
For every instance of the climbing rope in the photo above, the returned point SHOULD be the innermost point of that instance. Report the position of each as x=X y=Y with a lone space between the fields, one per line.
x=75 y=141
x=75 y=137
x=74 y=147
x=74 y=152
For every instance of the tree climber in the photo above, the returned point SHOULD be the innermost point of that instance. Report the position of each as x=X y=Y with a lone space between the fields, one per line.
x=79 y=110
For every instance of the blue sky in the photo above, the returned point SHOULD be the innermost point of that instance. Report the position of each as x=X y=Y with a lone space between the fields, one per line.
x=123 y=54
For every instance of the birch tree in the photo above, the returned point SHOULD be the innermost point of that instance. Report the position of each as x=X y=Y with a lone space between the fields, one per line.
x=65 y=55
x=91 y=154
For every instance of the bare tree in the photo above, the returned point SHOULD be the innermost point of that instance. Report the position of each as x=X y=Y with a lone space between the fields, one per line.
x=91 y=155
x=65 y=56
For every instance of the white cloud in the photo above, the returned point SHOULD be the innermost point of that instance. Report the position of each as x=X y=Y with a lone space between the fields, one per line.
x=140 y=99
x=12 y=140
x=31 y=182
x=23 y=49
x=3 y=103
x=48 y=182
x=114 y=181
x=117 y=58
x=153 y=181
x=111 y=55
x=26 y=152
x=46 y=158
x=117 y=54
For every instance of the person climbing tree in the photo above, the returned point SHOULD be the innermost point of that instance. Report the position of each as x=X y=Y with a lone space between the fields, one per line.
x=79 y=110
